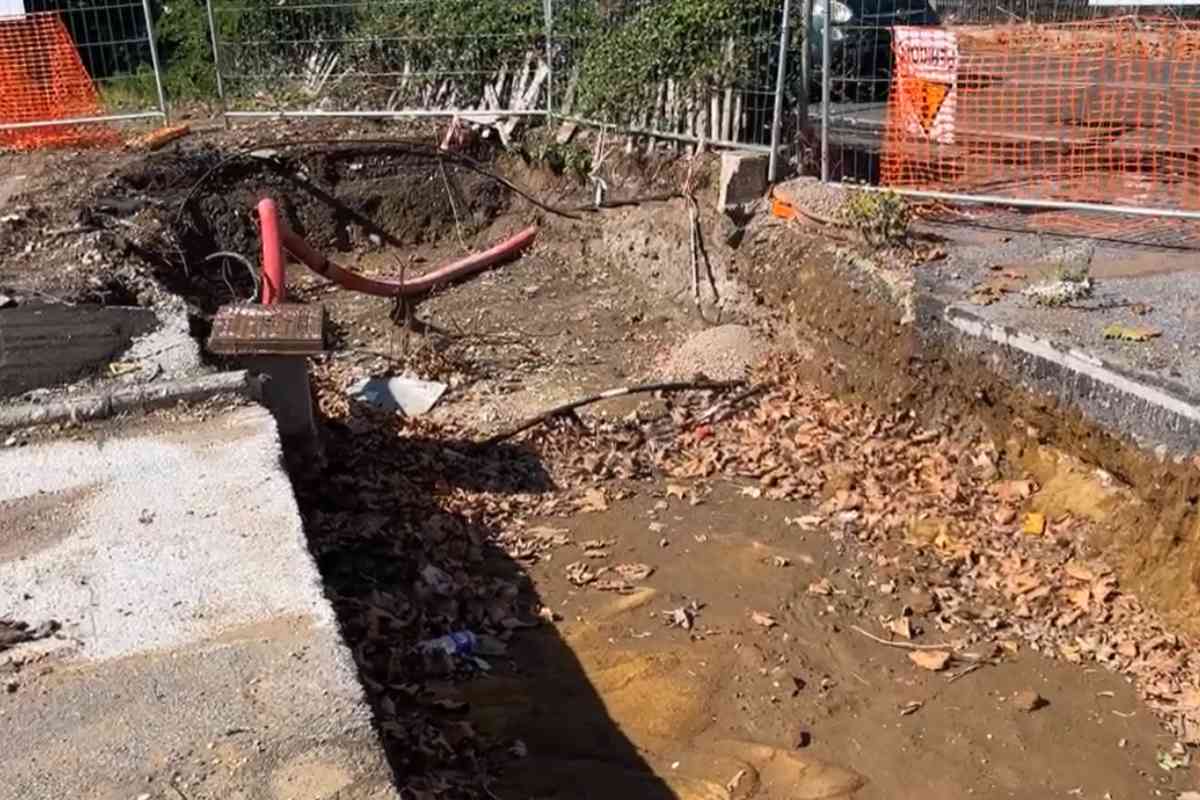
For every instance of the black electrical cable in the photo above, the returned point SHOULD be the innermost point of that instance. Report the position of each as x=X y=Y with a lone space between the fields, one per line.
x=418 y=148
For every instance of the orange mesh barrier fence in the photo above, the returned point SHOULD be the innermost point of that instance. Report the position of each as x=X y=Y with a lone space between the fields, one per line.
x=43 y=79
x=1101 y=112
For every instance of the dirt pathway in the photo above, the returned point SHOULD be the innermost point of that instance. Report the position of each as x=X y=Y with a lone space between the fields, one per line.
x=774 y=681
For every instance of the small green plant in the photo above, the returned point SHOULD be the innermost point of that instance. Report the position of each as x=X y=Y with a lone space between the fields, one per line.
x=569 y=158
x=1072 y=273
x=881 y=218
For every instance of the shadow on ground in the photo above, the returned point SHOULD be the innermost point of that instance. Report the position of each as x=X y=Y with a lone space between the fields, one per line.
x=404 y=532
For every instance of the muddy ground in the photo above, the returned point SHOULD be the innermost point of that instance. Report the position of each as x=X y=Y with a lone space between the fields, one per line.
x=807 y=553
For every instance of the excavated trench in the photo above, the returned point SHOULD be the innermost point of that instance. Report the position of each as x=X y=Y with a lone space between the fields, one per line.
x=158 y=221
x=378 y=519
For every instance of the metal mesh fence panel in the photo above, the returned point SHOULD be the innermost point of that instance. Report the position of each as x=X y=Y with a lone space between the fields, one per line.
x=1044 y=103
x=1100 y=112
x=381 y=56
x=60 y=70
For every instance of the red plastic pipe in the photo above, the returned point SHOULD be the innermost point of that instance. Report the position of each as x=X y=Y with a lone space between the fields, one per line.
x=441 y=276
x=274 y=289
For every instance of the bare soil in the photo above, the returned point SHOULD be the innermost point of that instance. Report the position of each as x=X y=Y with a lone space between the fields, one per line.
x=773 y=691
x=810 y=688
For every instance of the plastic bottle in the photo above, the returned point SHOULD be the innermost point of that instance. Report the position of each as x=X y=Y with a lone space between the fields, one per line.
x=458 y=643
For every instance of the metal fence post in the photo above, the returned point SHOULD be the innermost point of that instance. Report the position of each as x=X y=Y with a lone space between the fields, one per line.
x=548 y=13
x=826 y=82
x=212 y=36
x=805 y=67
x=780 y=80
x=158 y=82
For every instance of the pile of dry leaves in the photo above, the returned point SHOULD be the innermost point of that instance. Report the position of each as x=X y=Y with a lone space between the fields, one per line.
x=883 y=476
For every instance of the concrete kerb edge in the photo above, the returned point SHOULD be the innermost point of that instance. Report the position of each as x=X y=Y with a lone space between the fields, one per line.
x=103 y=405
x=1152 y=412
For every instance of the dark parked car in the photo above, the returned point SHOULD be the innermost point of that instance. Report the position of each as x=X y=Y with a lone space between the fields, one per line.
x=861 y=43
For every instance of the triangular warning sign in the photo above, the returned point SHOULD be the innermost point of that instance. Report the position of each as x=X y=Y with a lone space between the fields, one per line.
x=925 y=99
x=934 y=94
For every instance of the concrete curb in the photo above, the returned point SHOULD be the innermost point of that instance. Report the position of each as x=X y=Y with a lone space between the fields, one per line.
x=136 y=398
x=1159 y=415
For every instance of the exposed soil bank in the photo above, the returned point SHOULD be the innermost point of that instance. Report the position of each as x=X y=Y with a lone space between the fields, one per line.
x=854 y=324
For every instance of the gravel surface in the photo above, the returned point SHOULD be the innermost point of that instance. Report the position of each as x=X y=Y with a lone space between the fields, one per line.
x=1131 y=285
x=814 y=197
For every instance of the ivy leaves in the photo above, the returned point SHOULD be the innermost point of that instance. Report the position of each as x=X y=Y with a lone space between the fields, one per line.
x=641 y=44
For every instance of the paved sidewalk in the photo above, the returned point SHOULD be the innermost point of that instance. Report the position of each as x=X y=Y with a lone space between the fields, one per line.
x=197 y=651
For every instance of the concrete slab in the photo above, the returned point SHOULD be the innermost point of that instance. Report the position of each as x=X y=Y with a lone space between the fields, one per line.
x=197 y=651
x=45 y=344
x=743 y=178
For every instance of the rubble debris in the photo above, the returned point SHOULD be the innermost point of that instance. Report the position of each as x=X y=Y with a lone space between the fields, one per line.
x=735 y=782
x=1060 y=292
x=409 y=395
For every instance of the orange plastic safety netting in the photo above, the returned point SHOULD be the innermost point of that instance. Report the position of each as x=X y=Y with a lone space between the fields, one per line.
x=42 y=78
x=1101 y=112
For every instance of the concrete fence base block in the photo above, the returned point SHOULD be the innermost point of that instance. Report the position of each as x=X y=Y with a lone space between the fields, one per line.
x=287 y=392
x=136 y=398
x=743 y=178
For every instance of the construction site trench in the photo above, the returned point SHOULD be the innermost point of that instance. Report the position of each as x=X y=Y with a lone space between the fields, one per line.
x=870 y=565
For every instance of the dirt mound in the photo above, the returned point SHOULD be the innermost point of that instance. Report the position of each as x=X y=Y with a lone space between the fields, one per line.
x=723 y=353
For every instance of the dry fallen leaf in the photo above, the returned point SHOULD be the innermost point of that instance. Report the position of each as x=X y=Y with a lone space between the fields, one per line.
x=901 y=627
x=735 y=781
x=932 y=660
x=1081 y=598
x=635 y=573
x=1131 y=333
x=593 y=500
x=579 y=574
x=763 y=619
x=1013 y=490
x=822 y=587
x=1035 y=524
x=1079 y=572
x=807 y=522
